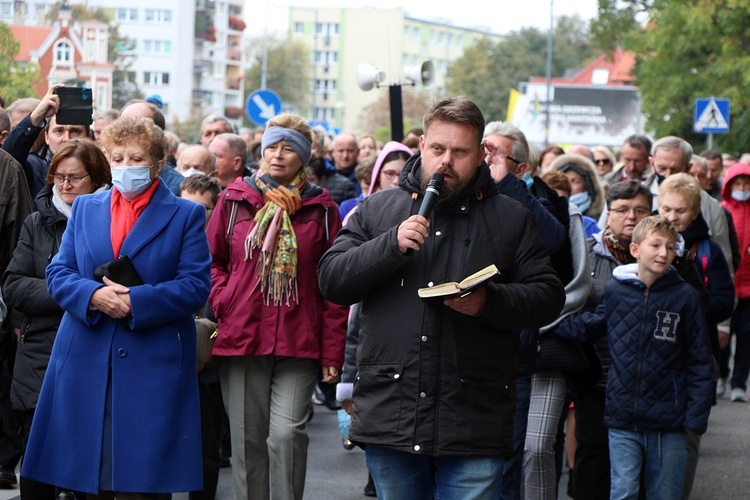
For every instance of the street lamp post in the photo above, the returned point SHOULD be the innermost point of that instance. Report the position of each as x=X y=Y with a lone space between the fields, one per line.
x=549 y=74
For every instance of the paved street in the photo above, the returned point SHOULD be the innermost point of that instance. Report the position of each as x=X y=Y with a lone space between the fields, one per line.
x=337 y=474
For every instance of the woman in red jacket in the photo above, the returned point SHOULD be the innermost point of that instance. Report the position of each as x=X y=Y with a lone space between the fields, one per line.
x=276 y=331
x=736 y=195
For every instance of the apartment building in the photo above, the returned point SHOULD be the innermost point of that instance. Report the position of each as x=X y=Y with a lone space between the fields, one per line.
x=189 y=52
x=342 y=39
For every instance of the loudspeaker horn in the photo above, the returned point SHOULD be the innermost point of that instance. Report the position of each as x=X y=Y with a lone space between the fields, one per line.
x=424 y=74
x=369 y=76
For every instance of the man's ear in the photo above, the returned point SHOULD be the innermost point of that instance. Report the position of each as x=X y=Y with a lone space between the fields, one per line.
x=238 y=165
x=3 y=136
x=521 y=169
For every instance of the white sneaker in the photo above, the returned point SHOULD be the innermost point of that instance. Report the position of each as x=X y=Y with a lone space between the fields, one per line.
x=721 y=387
x=739 y=395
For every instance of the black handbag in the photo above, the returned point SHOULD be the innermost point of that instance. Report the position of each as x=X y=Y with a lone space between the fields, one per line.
x=555 y=354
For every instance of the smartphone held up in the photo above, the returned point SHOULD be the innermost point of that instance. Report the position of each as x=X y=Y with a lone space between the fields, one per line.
x=76 y=106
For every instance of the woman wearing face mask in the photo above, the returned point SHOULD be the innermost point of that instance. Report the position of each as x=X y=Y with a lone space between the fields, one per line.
x=736 y=195
x=79 y=167
x=118 y=412
x=276 y=332
x=586 y=191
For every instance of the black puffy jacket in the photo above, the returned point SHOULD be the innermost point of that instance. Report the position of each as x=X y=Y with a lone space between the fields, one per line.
x=431 y=380
x=25 y=289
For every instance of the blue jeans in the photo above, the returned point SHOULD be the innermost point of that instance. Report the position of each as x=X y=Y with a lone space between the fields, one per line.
x=665 y=454
x=410 y=476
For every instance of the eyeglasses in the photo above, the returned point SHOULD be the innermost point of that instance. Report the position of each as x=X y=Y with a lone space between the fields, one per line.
x=74 y=180
x=603 y=161
x=637 y=211
x=390 y=174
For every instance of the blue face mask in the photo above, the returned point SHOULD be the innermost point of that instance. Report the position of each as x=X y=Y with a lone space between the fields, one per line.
x=581 y=200
x=131 y=181
x=528 y=180
x=740 y=195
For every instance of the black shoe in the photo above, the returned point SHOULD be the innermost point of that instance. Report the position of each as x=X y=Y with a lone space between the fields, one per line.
x=224 y=462
x=348 y=445
x=370 y=487
x=66 y=495
x=7 y=477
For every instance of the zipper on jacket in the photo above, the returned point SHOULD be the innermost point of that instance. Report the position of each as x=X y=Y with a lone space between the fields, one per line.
x=641 y=339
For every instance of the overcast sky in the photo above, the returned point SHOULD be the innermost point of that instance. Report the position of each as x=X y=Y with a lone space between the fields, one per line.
x=500 y=16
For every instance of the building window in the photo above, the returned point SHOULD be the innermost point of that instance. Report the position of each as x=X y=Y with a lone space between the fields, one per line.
x=158 y=16
x=127 y=46
x=326 y=29
x=323 y=57
x=6 y=9
x=299 y=28
x=130 y=76
x=62 y=52
x=157 y=47
x=101 y=96
x=416 y=33
x=325 y=86
x=127 y=15
x=155 y=78
x=325 y=114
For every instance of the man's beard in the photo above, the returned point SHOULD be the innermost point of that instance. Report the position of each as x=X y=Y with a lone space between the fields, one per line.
x=450 y=190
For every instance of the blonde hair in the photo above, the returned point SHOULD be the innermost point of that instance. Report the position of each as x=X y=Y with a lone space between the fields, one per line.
x=654 y=224
x=685 y=185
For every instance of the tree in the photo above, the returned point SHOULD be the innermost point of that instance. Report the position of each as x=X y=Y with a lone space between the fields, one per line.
x=375 y=118
x=488 y=70
x=685 y=50
x=288 y=70
x=120 y=50
x=16 y=79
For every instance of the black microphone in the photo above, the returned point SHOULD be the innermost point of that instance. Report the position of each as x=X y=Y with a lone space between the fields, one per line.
x=431 y=194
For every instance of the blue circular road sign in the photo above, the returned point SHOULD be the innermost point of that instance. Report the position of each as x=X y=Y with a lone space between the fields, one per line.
x=262 y=105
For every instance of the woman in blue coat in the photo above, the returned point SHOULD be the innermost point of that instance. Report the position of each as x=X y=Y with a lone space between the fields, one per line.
x=118 y=410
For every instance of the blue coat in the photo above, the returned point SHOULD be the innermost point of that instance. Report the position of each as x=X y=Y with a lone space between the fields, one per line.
x=146 y=371
x=662 y=369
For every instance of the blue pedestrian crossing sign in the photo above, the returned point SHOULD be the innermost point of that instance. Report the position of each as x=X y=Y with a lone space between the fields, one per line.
x=711 y=115
x=262 y=105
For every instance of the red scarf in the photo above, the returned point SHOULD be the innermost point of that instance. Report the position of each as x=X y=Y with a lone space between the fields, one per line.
x=125 y=213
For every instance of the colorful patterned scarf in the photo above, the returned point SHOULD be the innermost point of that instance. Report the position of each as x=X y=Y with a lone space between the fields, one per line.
x=618 y=251
x=273 y=235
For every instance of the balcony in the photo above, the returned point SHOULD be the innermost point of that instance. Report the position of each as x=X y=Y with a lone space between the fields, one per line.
x=233 y=112
x=236 y=23
x=234 y=83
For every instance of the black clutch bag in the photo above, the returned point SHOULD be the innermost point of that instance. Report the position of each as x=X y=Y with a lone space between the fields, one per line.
x=120 y=271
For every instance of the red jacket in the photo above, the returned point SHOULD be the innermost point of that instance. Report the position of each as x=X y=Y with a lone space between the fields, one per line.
x=312 y=328
x=741 y=214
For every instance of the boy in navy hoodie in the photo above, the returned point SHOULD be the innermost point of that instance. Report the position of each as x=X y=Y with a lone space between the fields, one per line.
x=660 y=384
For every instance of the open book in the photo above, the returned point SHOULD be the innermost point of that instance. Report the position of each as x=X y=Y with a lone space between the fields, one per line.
x=464 y=287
